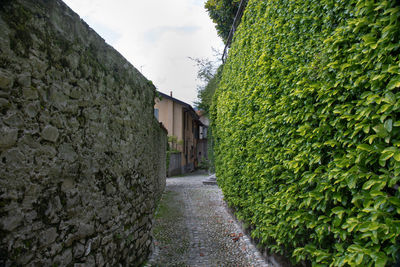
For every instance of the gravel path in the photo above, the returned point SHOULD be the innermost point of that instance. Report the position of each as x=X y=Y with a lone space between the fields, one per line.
x=193 y=228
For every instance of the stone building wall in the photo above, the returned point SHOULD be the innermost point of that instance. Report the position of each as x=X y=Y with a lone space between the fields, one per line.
x=82 y=158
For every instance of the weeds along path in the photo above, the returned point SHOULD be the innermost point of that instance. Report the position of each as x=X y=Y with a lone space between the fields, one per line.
x=193 y=228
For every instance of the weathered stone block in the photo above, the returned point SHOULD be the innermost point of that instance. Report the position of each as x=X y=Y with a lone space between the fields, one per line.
x=78 y=250
x=48 y=236
x=32 y=109
x=58 y=98
x=13 y=119
x=110 y=189
x=29 y=93
x=12 y=221
x=99 y=260
x=96 y=241
x=14 y=158
x=50 y=133
x=47 y=150
x=38 y=66
x=107 y=239
x=75 y=93
x=67 y=153
x=30 y=216
x=68 y=185
x=4 y=104
x=85 y=230
x=6 y=80
x=90 y=261
x=51 y=211
x=9 y=137
x=25 y=258
x=55 y=249
x=73 y=60
x=64 y=258
x=24 y=79
x=88 y=247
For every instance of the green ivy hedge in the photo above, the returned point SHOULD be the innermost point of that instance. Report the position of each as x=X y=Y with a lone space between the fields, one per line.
x=307 y=129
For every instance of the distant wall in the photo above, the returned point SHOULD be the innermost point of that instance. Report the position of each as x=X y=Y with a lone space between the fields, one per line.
x=82 y=158
x=202 y=150
x=175 y=166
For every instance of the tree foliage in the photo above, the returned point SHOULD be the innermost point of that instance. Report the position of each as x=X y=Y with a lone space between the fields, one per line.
x=222 y=12
x=206 y=68
x=306 y=121
x=206 y=93
x=210 y=74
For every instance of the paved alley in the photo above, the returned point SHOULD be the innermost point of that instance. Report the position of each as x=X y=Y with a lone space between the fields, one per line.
x=193 y=228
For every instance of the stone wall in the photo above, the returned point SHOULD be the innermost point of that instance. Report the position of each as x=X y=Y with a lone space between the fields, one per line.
x=82 y=158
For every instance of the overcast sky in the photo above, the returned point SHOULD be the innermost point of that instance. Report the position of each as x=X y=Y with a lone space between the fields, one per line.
x=157 y=37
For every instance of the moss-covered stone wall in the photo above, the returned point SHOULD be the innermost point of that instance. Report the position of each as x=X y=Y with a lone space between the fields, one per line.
x=82 y=158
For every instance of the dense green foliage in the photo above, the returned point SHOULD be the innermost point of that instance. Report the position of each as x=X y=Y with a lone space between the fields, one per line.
x=222 y=12
x=307 y=129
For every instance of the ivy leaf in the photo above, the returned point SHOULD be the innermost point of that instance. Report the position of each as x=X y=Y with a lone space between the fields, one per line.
x=367 y=185
x=369 y=39
x=371 y=138
x=368 y=226
x=396 y=156
x=388 y=125
x=380 y=259
x=390 y=98
x=359 y=258
x=394 y=83
x=386 y=155
x=338 y=211
x=380 y=131
x=384 y=108
x=366 y=128
x=394 y=69
x=395 y=201
x=355 y=248
x=365 y=147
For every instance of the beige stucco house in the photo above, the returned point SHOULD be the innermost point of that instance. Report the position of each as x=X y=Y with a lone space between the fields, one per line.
x=183 y=126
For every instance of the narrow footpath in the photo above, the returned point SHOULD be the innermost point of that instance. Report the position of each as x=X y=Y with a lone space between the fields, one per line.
x=194 y=228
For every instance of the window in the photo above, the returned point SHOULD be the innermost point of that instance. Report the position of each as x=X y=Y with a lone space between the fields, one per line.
x=156 y=113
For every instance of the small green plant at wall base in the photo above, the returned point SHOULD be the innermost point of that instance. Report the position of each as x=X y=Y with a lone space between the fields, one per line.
x=173 y=142
x=204 y=164
x=306 y=129
x=172 y=139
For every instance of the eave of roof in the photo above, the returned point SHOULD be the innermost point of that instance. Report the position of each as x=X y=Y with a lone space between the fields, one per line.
x=185 y=105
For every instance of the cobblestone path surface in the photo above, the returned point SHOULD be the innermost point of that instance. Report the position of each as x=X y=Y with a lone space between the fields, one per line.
x=193 y=228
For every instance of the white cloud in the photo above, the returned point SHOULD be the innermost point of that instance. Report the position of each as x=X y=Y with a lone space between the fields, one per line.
x=156 y=36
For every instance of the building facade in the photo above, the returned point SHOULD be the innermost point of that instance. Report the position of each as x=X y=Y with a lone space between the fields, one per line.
x=183 y=125
x=202 y=145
